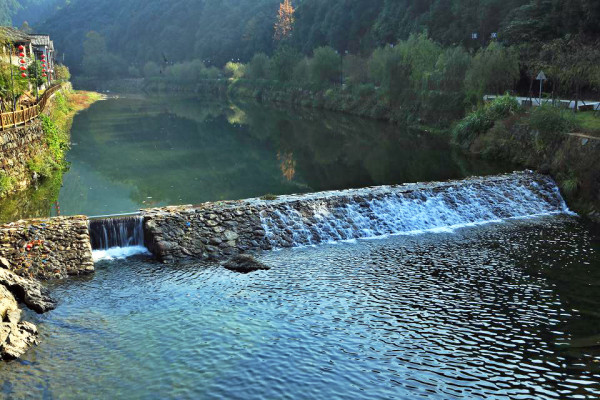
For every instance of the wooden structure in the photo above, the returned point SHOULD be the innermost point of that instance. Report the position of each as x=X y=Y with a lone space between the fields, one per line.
x=13 y=119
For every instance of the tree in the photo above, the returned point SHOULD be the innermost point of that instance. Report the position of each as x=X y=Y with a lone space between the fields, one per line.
x=283 y=63
x=285 y=21
x=259 y=67
x=325 y=67
x=61 y=72
x=494 y=70
x=573 y=63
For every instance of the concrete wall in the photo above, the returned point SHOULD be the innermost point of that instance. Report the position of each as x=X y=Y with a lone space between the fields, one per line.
x=47 y=248
x=17 y=147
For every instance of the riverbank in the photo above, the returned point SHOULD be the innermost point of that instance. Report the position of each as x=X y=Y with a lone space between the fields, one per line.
x=552 y=141
x=35 y=153
x=434 y=113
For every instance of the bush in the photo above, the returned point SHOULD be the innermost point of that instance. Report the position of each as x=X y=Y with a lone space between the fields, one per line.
x=151 y=69
x=234 y=70
x=325 y=67
x=551 y=120
x=258 y=67
x=6 y=183
x=61 y=72
x=283 y=63
x=484 y=118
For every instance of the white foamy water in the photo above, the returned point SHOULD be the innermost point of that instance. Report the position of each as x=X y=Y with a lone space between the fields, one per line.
x=119 y=253
x=411 y=209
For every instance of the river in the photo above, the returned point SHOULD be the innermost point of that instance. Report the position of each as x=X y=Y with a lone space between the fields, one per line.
x=503 y=310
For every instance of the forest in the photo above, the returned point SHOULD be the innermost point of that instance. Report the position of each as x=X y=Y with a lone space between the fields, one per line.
x=430 y=53
x=217 y=31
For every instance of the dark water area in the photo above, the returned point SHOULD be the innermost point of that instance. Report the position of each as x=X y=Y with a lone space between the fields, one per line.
x=137 y=152
x=503 y=311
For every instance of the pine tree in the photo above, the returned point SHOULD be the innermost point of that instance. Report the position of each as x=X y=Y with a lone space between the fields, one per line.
x=285 y=20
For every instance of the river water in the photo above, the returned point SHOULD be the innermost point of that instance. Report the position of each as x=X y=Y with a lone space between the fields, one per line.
x=506 y=310
x=138 y=152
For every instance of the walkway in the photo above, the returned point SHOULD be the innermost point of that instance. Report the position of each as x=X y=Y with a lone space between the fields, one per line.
x=532 y=101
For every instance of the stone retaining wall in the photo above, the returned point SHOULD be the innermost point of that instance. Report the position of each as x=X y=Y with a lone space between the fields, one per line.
x=224 y=229
x=47 y=248
x=17 y=147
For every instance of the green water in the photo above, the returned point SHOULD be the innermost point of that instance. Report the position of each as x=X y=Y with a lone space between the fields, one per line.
x=137 y=152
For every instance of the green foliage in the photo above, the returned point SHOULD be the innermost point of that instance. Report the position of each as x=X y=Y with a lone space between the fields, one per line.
x=494 y=70
x=483 y=119
x=57 y=140
x=6 y=183
x=283 y=63
x=552 y=120
x=356 y=69
x=258 y=67
x=35 y=69
x=98 y=62
x=234 y=70
x=188 y=72
x=62 y=73
x=325 y=66
x=151 y=69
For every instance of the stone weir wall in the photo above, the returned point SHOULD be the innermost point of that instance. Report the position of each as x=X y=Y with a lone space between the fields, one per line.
x=51 y=248
x=223 y=229
x=17 y=147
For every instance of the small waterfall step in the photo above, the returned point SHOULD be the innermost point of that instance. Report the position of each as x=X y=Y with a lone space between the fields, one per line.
x=117 y=237
x=408 y=209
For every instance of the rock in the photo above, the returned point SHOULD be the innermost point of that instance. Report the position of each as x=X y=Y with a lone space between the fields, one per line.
x=245 y=264
x=15 y=336
x=4 y=263
x=230 y=236
x=30 y=292
x=20 y=337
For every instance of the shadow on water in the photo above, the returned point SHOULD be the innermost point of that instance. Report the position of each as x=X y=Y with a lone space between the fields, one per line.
x=135 y=152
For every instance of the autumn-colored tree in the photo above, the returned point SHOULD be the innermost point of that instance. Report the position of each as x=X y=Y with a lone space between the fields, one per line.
x=285 y=20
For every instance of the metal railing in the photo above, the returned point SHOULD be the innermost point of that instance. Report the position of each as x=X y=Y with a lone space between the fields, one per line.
x=15 y=118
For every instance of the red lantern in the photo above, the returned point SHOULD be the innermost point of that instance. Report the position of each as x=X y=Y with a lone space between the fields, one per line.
x=23 y=68
x=44 y=75
x=21 y=54
x=21 y=48
x=23 y=61
x=43 y=56
x=24 y=75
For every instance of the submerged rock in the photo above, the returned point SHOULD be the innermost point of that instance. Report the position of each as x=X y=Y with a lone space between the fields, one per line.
x=30 y=292
x=245 y=264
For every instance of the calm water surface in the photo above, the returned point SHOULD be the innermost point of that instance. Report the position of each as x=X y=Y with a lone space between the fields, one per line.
x=501 y=311
x=138 y=152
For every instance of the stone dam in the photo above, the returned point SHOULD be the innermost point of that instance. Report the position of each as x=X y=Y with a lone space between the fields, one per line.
x=66 y=246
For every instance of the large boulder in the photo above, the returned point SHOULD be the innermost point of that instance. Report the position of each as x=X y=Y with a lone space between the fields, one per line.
x=245 y=264
x=30 y=292
x=15 y=336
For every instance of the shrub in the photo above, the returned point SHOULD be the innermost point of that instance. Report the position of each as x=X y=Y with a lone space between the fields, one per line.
x=484 y=118
x=151 y=69
x=551 y=120
x=325 y=67
x=258 y=67
x=6 y=183
x=234 y=70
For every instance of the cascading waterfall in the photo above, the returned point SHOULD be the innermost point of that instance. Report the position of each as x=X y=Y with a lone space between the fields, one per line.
x=117 y=237
x=409 y=209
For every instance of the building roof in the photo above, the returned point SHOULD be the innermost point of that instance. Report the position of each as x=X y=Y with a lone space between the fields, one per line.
x=14 y=35
x=40 y=40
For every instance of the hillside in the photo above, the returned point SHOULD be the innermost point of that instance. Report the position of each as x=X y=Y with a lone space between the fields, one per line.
x=219 y=31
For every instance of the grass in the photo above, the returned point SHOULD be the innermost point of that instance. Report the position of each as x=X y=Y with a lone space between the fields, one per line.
x=589 y=122
x=56 y=126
